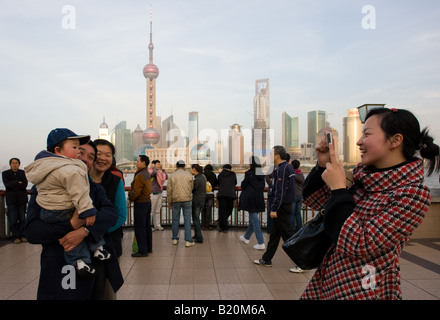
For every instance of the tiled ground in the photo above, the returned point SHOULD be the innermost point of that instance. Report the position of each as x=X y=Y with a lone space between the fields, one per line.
x=221 y=268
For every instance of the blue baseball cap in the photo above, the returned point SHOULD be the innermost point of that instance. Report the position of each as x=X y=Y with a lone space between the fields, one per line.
x=60 y=134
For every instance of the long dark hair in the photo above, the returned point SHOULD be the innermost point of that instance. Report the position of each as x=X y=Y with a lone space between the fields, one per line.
x=394 y=121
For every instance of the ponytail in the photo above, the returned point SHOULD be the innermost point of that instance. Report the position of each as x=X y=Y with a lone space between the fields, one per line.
x=430 y=151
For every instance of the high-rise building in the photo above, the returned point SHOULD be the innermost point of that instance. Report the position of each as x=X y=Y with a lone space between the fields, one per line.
x=151 y=72
x=290 y=131
x=167 y=136
x=260 y=132
x=315 y=122
x=352 y=131
x=290 y=135
x=137 y=137
x=103 y=131
x=193 y=128
x=235 y=145
x=123 y=141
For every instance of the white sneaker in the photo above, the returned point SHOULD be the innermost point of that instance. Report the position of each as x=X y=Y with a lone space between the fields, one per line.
x=175 y=241
x=260 y=246
x=160 y=228
x=243 y=239
x=189 y=244
x=296 y=269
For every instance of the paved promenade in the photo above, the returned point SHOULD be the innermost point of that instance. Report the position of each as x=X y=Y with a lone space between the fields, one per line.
x=221 y=268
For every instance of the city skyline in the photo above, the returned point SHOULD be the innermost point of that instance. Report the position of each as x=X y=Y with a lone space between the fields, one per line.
x=70 y=65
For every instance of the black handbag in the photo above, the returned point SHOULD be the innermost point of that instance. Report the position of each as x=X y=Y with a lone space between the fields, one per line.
x=309 y=245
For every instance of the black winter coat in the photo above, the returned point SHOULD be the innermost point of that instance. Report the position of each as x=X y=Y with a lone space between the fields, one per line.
x=227 y=180
x=16 y=192
x=252 y=197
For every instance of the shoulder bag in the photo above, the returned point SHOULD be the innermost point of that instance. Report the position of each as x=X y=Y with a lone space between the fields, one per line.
x=309 y=245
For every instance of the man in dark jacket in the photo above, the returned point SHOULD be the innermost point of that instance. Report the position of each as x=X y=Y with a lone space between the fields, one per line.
x=227 y=180
x=57 y=281
x=282 y=195
x=16 y=183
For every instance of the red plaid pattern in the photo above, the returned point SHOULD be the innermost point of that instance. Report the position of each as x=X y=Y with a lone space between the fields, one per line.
x=364 y=264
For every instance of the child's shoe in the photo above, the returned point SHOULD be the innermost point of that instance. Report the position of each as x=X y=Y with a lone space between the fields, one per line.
x=84 y=270
x=101 y=254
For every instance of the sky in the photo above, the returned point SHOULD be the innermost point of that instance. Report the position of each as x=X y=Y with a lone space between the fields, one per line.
x=71 y=63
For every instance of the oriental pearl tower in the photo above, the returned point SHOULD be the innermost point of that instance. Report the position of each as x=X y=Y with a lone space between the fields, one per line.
x=151 y=72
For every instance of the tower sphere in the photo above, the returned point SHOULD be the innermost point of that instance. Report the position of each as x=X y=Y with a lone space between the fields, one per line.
x=151 y=71
x=150 y=136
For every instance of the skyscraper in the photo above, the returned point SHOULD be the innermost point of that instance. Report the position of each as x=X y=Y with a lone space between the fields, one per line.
x=151 y=72
x=103 y=131
x=260 y=132
x=123 y=141
x=168 y=137
x=290 y=131
x=235 y=145
x=193 y=128
x=315 y=122
x=137 y=137
x=352 y=131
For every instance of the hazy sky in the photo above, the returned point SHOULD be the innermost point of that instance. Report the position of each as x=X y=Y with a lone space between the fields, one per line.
x=317 y=55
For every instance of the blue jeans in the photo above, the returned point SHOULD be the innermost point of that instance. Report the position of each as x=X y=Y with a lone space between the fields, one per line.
x=186 y=208
x=295 y=216
x=142 y=226
x=82 y=250
x=197 y=206
x=16 y=218
x=254 y=226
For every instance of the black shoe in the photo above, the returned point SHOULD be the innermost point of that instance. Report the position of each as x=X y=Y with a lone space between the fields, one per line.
x=85 y=270
x=139 y=255
x=102 y=254
x=261 y=262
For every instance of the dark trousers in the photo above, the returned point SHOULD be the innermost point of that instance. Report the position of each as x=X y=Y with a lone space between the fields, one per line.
x=142 y=226
x=207 y=211
x=281 y=228
x=197 y=206
x=225 y=207
x=16 y=218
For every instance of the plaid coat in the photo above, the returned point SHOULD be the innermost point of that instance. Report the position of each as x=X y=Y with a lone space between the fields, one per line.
x=364 y=263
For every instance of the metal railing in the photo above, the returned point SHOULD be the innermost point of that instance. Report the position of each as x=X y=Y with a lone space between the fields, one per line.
x=238 y=218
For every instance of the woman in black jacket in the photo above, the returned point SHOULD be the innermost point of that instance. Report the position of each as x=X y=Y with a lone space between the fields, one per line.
x=252 y=200
x=227 y=180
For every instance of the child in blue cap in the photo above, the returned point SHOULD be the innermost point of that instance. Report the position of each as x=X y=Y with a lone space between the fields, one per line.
x=62 y=183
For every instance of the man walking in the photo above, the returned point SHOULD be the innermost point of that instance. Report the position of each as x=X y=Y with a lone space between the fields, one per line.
x=179 y=194
x=282 y=195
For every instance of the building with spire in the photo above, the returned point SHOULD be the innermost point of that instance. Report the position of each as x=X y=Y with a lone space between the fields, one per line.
x=103 y=131
x=260 y=132
x=151 y=135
